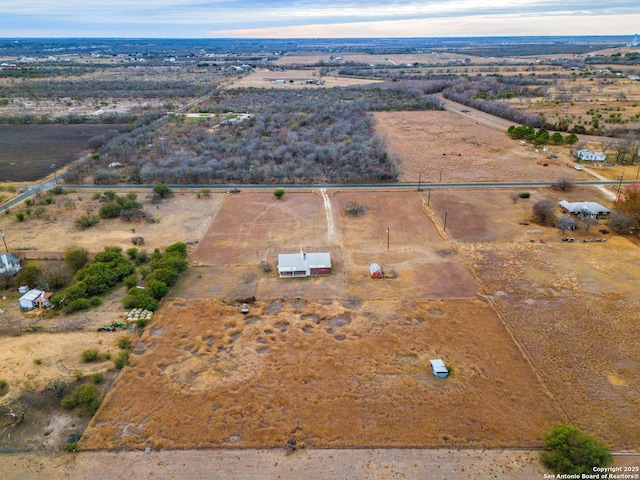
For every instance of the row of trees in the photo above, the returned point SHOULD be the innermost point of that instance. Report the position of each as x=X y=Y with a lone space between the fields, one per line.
x=540 y=136
x=164 y=270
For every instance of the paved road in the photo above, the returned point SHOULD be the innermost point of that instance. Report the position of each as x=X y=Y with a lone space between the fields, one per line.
x=336 y=186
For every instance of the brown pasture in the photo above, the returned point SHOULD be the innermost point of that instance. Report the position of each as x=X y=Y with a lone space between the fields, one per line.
x=325 y=374
x=464 y=150
x=573 y=308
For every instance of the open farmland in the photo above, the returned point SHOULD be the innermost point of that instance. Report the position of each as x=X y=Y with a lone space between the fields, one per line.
x=320 y=360
x=297 y=79
x=28 y=151
x=180 y=218
x=574 y=308
x=464 y=150
x=324 y=374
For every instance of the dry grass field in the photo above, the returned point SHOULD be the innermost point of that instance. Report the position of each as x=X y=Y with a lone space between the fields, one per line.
x=296 y=79
x=310 y=351
x=464 y=150
x=180 y=218
x=573 y=307
x=325 y=374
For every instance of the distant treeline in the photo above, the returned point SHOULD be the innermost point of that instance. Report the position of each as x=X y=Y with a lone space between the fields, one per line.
x=93 y=88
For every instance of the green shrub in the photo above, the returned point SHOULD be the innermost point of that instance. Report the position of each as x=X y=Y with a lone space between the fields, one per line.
x=97 y=377
x=20 y=216
x=122 y=359
x=69 y=402
x=162 y=190
x=524 y=195
x=3 y=383
x=71 y=446
x=77 y=304
x=132 y=253
x=569 y=450
x=157 y=289
x=90 y=355
x=76 y=258
x=76 y=291
x=164 y=275
x=131 y=281
x=86 y=221
x=85 y=395
x=278 y=193
x=38 y=361
x=95 y=302
x=110 y=210
x=179 y=247
x=28 y=202
x=124 y=343
x=141 y=323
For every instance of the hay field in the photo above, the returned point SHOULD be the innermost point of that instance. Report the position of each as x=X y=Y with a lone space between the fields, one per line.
x=573 y=308
x=326 y=374
x=465 y=150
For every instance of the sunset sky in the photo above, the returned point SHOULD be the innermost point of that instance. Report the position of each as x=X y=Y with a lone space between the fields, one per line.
x=308 y=18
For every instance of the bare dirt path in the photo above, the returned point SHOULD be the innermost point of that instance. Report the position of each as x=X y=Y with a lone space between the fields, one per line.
x=250 y=464
x=329 y=213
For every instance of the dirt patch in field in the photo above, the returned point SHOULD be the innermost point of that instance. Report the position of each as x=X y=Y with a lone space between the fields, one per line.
x=397 y=233
x=328 y=382
x=463 y=149
x=573 y=307
x=252 y=225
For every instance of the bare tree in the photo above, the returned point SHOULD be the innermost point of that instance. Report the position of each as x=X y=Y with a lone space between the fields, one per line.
x=514 y=197
x=544 y=213
x=621 y=221
x=563 y=183
x=605 y=144
x=587 y=222
x=567 y=223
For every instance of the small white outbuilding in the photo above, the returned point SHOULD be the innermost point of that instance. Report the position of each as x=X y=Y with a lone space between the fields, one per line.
x=438 y=368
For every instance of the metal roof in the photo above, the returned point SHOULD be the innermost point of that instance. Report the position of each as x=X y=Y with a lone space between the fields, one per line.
x=438 y=366
x=290 y=262
x=593 y=208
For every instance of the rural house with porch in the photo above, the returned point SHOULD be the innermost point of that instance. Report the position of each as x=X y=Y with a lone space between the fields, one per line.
x=584 y=209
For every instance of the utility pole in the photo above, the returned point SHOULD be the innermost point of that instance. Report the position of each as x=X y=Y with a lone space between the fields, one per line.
x=445 y=221
x=55 y=176
x=440 y=179
x=419 y=180
x=620 y=186
x=4 y=241
x=429 y=199
x=387 y=238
